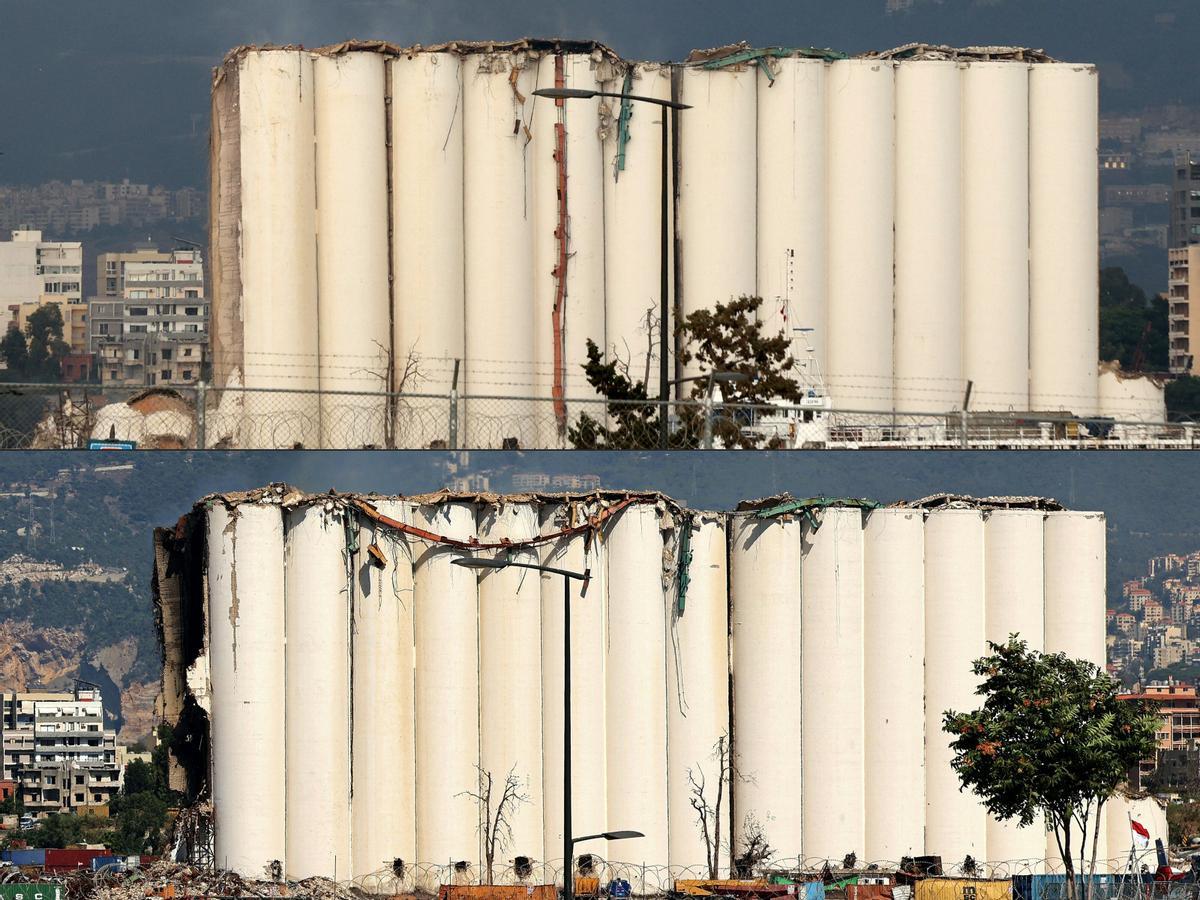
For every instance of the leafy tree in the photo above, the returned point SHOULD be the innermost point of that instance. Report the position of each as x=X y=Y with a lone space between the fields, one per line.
x=15 y=351
x=1128 y=318
x=727 y=338
x=143 y=778
x=1050 y=738
x=141 y=818
x=46 y=345
x=1183 y=398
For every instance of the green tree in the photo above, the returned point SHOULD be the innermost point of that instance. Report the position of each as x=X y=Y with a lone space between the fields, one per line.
x=141 y=819
x=46 y=345
x=1129 y=319
x=1052 y=738
x=15 y=352
x=727 y=338
x=1183 y=398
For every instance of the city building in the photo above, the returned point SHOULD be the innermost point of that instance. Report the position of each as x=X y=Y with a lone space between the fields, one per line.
x=156 y=332
x=56 y=749
x=110 y=268
x=1182 y=262
x=34 y=270
x=74 y=316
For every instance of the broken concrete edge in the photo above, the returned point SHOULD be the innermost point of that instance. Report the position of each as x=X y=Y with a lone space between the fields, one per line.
x=1113 y=367
x=987 y=504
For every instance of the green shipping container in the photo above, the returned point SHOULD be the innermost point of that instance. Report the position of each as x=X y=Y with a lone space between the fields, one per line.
x=34 y=891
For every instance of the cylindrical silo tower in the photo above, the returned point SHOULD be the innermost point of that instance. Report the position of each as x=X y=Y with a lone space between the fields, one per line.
x=717 y=170
x=894 y=684
x=1014 y=590
x=955 y=820
x=831 y=689
x=383 y=806
x=427 y=240
x=1128 y=397
x=860 y=198
x=577 y=553
x=446 y=679
x=764 y=585
x=929 y=237
x=246 y=659
x=632 y=224
x=995 y=219
x=498 y=220
x=278 y=246
x=318 y=693
x=1063 y=237
x=698 y=736
x=635 y=669
x=354 y=300
x=510 y=673
x=791 y=209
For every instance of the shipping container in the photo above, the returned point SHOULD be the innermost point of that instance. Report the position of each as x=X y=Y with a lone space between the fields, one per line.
x=69 y=860
x=24 y=857
x=31 y=891
x=963 y=889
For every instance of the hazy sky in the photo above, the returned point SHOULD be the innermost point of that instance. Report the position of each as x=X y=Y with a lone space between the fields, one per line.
x=112 y=88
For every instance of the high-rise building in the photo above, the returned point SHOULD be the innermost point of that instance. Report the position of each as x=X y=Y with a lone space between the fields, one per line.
x=110 y=268
x=34 y=270
x=1184 y=263
x=56 y=749
x=1185 y=202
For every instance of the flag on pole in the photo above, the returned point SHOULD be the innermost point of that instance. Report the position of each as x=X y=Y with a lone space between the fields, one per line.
x=1141 y=835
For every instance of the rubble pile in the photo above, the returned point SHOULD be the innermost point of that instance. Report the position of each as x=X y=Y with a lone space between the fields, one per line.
x=178 y=880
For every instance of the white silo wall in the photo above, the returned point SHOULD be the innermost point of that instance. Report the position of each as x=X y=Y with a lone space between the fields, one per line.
x=427 y=239
x=354 y=319
x=245 y=652
x=1014 y=590
x=383 y=803
x=955 y=821
x=791 y=207
x=832 y=686
x=278 y=251
x=317 y=733
x=929 y=237
x=1074 y=561
x=498 y=231
x=860 y=196
x=764 y=586
x=579 y=289
x=995 y=218
x=588 y=643
x=698 y=701
x=510 y=672
x=894 y=683
x=446 y=685
x=635 y=672
x=1132 y=398
x=1063 y=237
x=1118 y=831
x=632 y=228
x=717 y=170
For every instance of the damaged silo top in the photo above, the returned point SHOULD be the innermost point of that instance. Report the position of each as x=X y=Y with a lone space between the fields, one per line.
x=966 y=501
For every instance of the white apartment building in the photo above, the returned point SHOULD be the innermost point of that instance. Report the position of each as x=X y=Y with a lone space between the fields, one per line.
x=56 y=749
x=34 y=270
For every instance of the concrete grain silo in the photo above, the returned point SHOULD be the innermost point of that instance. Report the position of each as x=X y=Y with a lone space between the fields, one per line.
x=356 y=681
x=352 y=254
x=1131 y=398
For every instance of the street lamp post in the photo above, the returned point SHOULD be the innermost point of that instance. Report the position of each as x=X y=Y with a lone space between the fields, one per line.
x=664 y=237
x=479 y=562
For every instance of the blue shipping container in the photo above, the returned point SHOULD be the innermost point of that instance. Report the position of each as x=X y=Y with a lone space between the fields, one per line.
x=111 y=862
x=1053 y=887
x=24 y=857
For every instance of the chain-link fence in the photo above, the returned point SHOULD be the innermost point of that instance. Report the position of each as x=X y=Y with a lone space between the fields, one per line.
x=53 y=416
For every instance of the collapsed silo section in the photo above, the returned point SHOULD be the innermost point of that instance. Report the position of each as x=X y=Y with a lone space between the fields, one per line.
x=929 y=237
x=266 y=294
x=246 y=656
x=861 y=225
x=955 y=820
x=1063 y=243
x=568 y=239
x=791 y=209
x=831 y=690
x=717 y=171
x=510 y=675
x=764 y=586
x=317 y=734
x=1014 y=584
x=383 y=762
x=995 y=219
x=428 y=322
x=894 y=684
x=579 y=550
x=354 y=319
x=635 y=673
x=699 y=760
x=633 y=174
x=446 y=688
x=1137 y=403
x=497 y=114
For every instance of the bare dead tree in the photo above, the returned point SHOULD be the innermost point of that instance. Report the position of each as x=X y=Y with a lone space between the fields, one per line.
x=755 y=849
x=708 y=815
x=495 y=814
